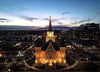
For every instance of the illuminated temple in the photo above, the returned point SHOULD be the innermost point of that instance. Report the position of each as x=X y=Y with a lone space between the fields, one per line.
x=50 y=50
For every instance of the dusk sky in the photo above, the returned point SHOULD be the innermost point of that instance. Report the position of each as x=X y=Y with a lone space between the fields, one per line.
x=37 y=12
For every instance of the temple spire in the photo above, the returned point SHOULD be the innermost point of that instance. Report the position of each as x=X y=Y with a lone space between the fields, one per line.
x=50 y=27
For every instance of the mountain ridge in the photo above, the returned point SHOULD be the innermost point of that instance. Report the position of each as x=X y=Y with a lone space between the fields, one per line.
x=6 y=27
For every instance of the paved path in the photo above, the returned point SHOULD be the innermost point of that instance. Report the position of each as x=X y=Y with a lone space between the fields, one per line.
x=31 y=67
x=69 y=67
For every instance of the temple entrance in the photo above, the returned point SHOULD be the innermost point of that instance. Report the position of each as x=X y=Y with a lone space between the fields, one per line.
x=50 y=68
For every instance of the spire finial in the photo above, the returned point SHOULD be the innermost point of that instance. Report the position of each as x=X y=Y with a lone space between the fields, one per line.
x=50 y=27
x=50 y=17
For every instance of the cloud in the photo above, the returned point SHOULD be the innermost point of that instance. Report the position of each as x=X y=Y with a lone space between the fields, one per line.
x=54 y=20
x=82 y=21
x=98 y=20
x=62 y=18
x=47 y=19
x=60 y=23
x=2 y=20
x=28 y=18
x=74 y=18
x=75 y=22
x=65 y=13
x=98 y=12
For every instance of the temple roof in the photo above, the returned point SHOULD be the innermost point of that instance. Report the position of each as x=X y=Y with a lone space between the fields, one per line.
x=42 y=43
x=39 y=42
x=53 y=44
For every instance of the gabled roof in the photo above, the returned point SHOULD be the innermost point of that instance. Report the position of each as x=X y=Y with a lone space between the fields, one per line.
x=53 y=44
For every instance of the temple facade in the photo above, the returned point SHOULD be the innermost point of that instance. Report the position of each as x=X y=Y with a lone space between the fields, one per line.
x=50 y=53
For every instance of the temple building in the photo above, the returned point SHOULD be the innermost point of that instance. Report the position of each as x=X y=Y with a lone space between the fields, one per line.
x=50 y=50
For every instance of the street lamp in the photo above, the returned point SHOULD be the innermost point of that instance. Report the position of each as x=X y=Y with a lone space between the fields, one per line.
x=9 y=70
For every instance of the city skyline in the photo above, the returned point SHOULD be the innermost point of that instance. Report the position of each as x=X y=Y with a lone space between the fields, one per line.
x=56 y=49
x=37 y=12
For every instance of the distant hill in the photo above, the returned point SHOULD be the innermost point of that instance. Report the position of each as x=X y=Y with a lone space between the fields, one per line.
x=57 y=28
x=4 y=27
